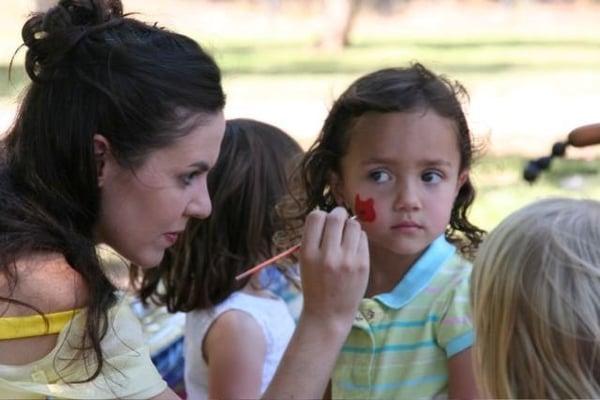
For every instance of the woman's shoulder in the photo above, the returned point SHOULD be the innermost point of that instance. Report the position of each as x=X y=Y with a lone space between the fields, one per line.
x=44 y=281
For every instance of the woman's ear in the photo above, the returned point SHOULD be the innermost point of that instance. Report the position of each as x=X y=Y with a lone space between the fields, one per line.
x=101 y=154
x=337 y=188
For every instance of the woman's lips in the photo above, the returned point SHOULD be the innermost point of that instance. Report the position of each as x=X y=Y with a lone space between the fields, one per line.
x=171 y=237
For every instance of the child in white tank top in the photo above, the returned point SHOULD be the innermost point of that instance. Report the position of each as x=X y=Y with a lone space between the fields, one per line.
x=236 y=331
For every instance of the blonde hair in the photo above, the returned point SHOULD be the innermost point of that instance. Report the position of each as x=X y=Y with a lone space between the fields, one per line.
x=535 y=293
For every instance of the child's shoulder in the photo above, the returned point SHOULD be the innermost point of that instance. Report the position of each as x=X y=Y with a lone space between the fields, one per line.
x=453 y=277
x=260 y=307
x=455 y=267
x=451 y=306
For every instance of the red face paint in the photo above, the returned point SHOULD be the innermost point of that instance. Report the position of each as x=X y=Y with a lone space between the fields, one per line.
x=364 y=209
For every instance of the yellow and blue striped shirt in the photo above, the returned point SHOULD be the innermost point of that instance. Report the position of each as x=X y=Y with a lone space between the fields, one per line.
x=401 y=341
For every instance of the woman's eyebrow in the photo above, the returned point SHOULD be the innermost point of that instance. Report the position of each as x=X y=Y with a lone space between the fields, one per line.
x=202 y=166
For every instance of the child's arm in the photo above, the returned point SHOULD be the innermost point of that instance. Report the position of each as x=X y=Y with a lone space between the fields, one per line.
x=235 y=352
x=334 y=262
x=461 y=379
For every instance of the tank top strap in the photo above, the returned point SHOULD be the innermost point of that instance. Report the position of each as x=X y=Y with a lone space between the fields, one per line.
x=35 y=325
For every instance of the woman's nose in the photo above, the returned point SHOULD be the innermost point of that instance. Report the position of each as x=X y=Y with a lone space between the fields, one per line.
x=200 y=205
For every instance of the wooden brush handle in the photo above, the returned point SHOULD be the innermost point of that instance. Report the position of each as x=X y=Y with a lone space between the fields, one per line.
x=583 y=136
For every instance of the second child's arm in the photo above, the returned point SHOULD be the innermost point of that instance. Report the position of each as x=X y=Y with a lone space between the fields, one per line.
x=334 y=263
x=461 y=379
x=235 y=352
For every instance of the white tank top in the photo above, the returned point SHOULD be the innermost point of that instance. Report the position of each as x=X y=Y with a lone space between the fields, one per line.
x=272 y=316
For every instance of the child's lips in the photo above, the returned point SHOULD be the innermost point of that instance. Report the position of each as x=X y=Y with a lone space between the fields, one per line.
x=407 y=225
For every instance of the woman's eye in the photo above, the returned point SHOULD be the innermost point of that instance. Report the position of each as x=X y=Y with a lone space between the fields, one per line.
x=188 y=178
x=380 y=176
x=431 y=177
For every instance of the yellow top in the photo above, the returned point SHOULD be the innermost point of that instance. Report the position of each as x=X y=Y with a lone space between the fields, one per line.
x=127 y=373
x=34 y=325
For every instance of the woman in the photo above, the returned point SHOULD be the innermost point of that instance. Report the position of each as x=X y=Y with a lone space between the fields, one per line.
x=112 y=144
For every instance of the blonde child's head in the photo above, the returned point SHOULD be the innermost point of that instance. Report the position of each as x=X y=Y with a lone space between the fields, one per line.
x=536 y=303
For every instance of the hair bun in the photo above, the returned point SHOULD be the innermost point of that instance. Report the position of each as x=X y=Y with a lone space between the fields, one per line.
x=82 y=13
x=72 y=13
x=50 y=35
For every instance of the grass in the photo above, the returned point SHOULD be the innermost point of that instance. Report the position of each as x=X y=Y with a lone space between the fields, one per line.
x=267 y=66
x=502 y=190
x=457 y=56
x=468 y=59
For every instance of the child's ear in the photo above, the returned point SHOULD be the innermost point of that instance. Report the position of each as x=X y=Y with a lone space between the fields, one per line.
x=337 y=188
x=101 y=155
x=463 y=176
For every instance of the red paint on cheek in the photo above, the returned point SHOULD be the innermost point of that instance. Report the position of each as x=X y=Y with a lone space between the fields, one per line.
x=364 y=209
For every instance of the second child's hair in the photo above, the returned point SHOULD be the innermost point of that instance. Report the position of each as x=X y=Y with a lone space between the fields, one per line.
x=412 y=89
x=248 y=179
x=535 y=292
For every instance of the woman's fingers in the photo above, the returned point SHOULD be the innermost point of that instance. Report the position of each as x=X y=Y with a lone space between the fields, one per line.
x=313 y=228
x=334 y=261
x=363 y=254
x=351 y=236
x=334 y=229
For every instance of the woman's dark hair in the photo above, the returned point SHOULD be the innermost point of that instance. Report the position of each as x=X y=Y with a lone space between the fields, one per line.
x=94 y=70
x=388 y=90
x=248 y=179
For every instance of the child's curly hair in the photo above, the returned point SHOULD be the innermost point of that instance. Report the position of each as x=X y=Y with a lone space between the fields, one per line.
x=386 y=90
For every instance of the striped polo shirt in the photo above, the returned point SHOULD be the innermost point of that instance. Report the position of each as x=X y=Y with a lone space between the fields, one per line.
x=400 y=341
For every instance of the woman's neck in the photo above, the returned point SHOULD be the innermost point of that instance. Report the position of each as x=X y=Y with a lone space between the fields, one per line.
x=387 y=269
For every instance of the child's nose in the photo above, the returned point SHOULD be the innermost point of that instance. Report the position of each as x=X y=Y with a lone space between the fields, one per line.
x=407 y=198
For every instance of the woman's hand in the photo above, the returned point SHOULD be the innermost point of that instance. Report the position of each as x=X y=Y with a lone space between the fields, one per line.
x=334 y=262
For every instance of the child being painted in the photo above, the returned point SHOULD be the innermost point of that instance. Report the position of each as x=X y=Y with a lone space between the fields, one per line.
x=536 y=303
x=236 y=331
x=396 y=150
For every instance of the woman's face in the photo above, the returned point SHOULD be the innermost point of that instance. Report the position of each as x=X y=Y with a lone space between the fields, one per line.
x=143 y=211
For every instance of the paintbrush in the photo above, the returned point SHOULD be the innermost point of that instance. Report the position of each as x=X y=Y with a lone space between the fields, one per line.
x=268 y=262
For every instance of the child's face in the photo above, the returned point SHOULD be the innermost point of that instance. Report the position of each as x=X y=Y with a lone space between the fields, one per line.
x=401 y=176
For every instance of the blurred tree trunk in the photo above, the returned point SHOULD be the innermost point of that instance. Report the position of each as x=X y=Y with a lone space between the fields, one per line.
x=338 y=17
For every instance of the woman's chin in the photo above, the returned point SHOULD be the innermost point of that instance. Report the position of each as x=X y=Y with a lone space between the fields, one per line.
x=147 y=261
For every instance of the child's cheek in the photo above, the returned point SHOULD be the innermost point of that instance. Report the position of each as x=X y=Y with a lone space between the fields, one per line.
x=365 y=209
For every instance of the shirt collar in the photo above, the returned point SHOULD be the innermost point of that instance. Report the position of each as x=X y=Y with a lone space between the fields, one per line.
x=419 y=275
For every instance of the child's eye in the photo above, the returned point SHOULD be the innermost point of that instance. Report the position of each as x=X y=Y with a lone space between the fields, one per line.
x=380 y=176
x=431 y=177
